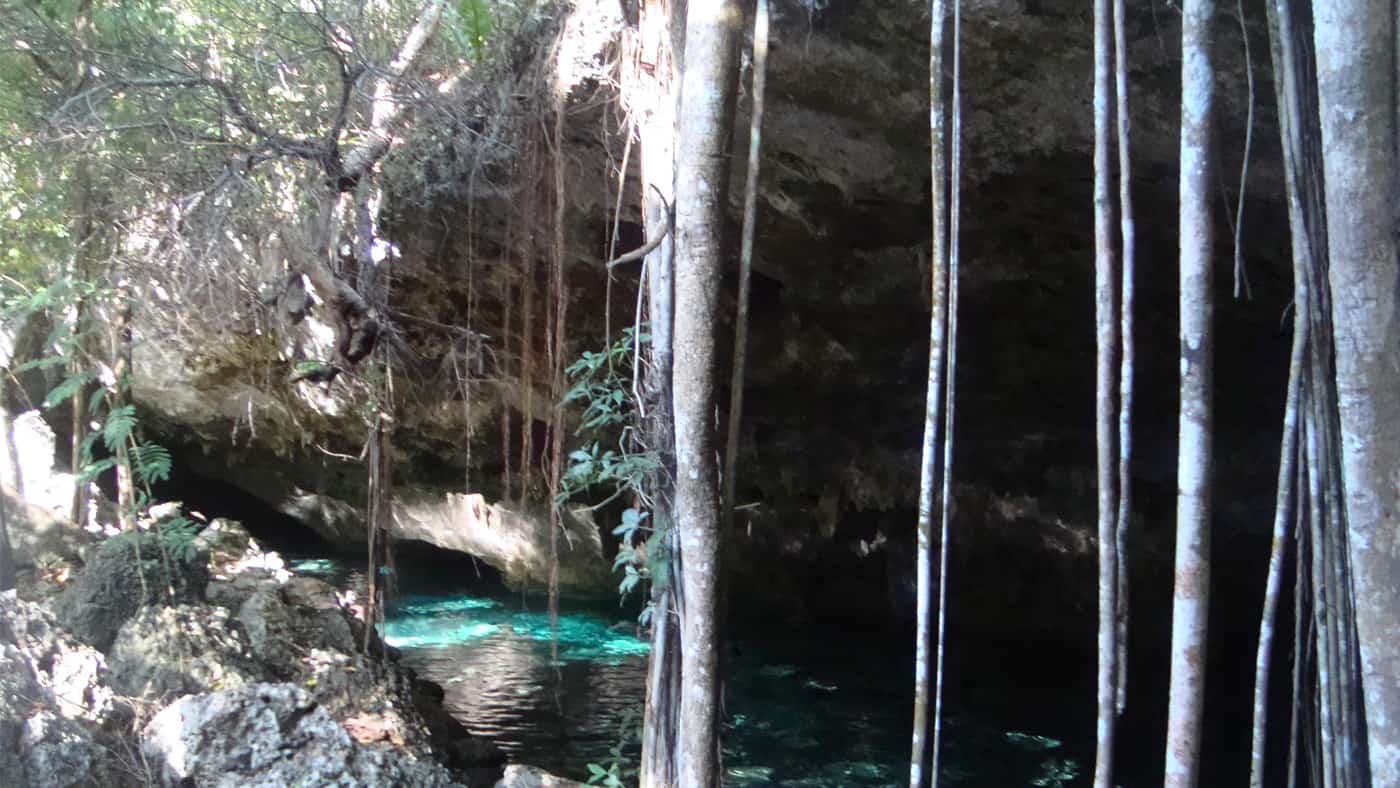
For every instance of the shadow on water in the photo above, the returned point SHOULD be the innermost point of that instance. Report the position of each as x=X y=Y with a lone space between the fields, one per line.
x=804 y=708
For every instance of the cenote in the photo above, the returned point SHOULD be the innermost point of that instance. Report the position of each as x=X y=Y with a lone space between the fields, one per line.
x=811 y=706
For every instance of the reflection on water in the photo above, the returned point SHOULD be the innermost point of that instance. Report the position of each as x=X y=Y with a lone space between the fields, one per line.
x=807 y=711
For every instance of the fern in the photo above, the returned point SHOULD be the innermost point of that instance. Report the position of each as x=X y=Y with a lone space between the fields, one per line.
x=92 y=470
x=177 y=535
x=69 y=387
x=118 y=427
x=475 y=16
x=151 y=463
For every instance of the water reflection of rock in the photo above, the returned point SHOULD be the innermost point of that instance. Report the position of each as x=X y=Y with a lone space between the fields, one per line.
x=509 y=687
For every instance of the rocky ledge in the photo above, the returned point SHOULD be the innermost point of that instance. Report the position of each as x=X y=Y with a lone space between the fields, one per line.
x=217 y=667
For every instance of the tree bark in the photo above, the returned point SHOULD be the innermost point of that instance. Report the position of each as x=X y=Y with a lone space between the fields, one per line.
x=655 y=102
x=1106 y=402
x=121 y=391
x=706 y=115
x=1356 y=81
x=7 y=559
x=1191 y=597
x=1126 y=355
x=741 y=320
x=933 y=406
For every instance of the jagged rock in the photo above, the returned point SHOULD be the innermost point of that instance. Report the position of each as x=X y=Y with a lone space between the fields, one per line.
x=267 y=620
x=57 y=751
x=35 y=531
x=512 y=540
x=227 y=541
x=56 y=716
x=42 y=662
x=317 y=615
x=284 y=622
x=165 y=652
x=519 y=776
x=110 y=590
x=270 y=735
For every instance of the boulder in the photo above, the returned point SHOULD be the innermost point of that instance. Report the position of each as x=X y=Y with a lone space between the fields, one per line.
x=520 y=776
x=114 y=586
x=41 y=661
x=165 y=652
x=57 y=719
x=270 y=735
x=36 y=531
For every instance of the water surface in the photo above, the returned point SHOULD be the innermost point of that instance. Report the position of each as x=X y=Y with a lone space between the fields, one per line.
x=802 y=709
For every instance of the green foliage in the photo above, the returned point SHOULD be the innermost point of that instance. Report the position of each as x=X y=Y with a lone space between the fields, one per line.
x=617 y=771
x=69 y=387
x=177 y=536
x=602 y=383
x=151 y=463
x=119 y=426
x=471 y=29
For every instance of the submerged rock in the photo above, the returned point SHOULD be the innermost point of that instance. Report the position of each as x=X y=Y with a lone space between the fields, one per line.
x=270 y=735
x=518 y=776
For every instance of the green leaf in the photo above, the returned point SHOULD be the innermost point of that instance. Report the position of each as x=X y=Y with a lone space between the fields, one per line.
x=63 y=391
x=94 y=469
x=151 y=463
x=476 y=24
x=118 y=426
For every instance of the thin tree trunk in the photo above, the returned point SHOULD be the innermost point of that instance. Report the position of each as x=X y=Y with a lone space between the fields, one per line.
x=561 y=303
x=657 y=103
x=1128 y=233
x=1191 y=597
x=7 y=559
x=84 y=237
x=741 y=320
x=928 y=472
x=527 y=345
x=13 y=475
x=950 y=377
x=121 y=372
x=1322 y=603
x=384 y=110
x=708 y=83
x=1106 y=317
x=1283 y=518
x=1286 y=509
x=1356 y=49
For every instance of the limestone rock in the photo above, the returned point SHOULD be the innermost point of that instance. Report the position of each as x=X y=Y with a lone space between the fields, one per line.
x=270 y=735
x=109 y=591
x=519 y=776
x=56 y=716
x=165 y=652
x=36 y=531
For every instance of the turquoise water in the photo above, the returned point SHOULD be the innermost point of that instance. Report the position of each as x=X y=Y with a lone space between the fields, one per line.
x=810 y=709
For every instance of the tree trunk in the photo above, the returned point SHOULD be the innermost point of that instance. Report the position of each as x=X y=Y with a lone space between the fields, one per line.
x=653 y=97
x=706 y=115
x=84 y=237
x=7 y=559
x=1192 y=583
x=933 y=406
x=121 y=396
x=1356 y=81
x=1126 y=354
x=741 y=320
x=950 y=379
x=1106 y=401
